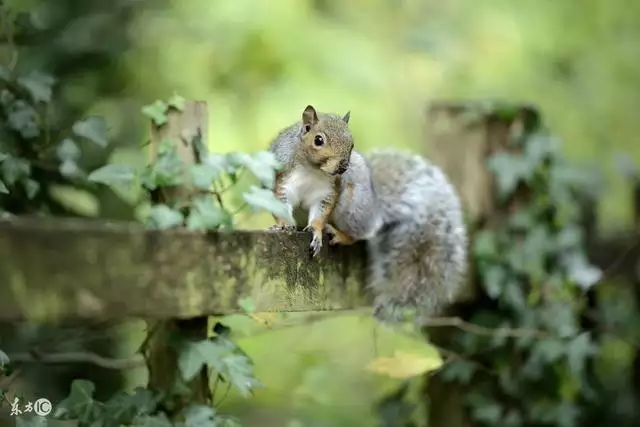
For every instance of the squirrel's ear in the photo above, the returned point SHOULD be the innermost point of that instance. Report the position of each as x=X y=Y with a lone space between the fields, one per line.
x=309 y=117
x=347 y=117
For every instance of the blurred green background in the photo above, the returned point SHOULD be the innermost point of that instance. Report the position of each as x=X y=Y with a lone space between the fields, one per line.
x=259 y=63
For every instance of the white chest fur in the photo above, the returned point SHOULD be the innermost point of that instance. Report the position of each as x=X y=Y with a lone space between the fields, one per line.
x=307 y=187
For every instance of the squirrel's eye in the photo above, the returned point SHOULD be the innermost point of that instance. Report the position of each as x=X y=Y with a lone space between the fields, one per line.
x=318 y=140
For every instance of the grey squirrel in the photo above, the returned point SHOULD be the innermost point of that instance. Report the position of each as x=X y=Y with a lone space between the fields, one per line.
x=402 y=205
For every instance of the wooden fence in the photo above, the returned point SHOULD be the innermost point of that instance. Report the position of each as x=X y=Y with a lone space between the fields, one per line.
x=72 y=269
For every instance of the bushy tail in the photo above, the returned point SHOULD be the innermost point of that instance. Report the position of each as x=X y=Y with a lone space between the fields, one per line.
x=419 y=256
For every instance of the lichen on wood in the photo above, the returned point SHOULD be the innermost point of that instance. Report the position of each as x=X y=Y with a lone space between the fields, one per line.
x=54 y=269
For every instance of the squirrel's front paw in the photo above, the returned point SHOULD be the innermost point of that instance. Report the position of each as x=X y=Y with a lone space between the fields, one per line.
x=316 y=245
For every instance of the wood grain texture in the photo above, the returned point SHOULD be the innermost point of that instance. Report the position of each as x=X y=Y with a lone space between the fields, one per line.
x=62 y=268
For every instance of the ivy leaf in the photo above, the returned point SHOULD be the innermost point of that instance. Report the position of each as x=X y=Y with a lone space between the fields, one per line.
x=113 y=175
x=205 y=214
x=260 y=198
x=163 y=217
x=486 y=245
x=15 y=169
x=22 y=118
x=156 y=112
x=79 y=405
x=39 y=85
x=540 y=147
x=94 y=129
x=34 y=421
x=123 y=407
x=224 y=357
x=509 y=170
x=159 y=420
x=3 y=188
x=493 y=280
x=484 y=410
x=177 y=102
x=581 y=272
x=4 y=359
x=70 y=169
x=203 y=175
x=68 y=150
x=458 y=370
x=228 y=421
x=167 y=170
x=31 y=188
x=579 y=349
x=262 y=165
x=200 y=416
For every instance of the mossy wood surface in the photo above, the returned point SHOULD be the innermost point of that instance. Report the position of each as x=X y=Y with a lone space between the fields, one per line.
x=58 y=268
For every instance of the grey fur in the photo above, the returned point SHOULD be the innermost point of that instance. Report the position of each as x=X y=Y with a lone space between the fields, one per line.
x=419 y=256
x=411 y=216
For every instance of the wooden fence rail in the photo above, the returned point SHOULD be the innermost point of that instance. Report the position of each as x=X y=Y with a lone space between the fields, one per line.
x=65 y=268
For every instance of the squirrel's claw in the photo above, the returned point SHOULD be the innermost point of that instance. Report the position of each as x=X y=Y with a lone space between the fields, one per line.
x=316 y=244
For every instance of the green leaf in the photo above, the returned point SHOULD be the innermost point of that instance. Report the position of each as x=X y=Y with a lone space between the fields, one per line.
x=247 y=304
x=458 y=370
x=4 y=359
x=123 y=407
x=485 y=245
x=540 y=147
x=260 y=198
x=23 y=118
x=177 y=102
x=227 y=421
x=163 y=217
x=15 y=169
x=156 y=112
x=262 y=165
x=3 y=188
x=203 y=175
x=68 y=150
x=199 y=416
x=80 y=404
x=94 y=129
x=205 y=214
x=581 y=272
x=39 y=85
x=159 y=420
x=493 y=280
x=513 y=419
x=578 y=351
x=167 y=170
x=31 y=188
x=224 y=357
x=113 y=175
x=509 y=170
x=70 y=169
x=33 y=421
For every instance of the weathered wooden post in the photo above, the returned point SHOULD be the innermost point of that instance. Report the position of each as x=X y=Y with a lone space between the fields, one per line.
x=461 y=137
x=182 y=128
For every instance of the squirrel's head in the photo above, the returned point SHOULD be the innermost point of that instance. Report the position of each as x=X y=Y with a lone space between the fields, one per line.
x=327 y=141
